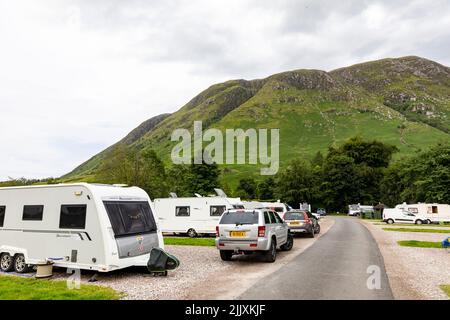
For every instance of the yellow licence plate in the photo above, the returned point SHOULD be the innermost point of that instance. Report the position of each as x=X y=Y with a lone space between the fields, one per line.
x=295 y=223
x=237 y=234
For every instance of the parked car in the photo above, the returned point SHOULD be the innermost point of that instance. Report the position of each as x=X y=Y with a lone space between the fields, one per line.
x=321 y=211
x=247 y=231
x=302 y=221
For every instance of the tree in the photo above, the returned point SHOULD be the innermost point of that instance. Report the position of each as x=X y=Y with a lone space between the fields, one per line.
x=296 y=183
x=246 y=188
x=318 y=159
x=127 y=165
x=340 y=182
x=203 y=178
x=421 y=178
x=266 y=189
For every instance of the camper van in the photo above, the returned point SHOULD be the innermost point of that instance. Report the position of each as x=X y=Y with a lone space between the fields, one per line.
x=418 y=213
x=80 y=226
x=193 y=215
x=357 y=209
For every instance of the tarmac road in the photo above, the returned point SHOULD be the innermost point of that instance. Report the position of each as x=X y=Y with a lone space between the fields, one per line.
x=338 y=266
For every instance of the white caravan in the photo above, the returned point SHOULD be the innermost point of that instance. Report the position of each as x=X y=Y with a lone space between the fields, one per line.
x=80 y=226
x=357 y=209
x=275 y=206
x=193 y=215
x=418 y=213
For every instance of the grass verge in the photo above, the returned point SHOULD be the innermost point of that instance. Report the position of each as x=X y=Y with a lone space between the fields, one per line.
x=419 y=244
x=178 y=241
x=417 y=230
x=415 y=225
x=446 y=289
x=20 y=288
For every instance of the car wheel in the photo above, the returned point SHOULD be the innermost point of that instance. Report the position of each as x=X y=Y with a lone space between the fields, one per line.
x=289 y=243
x=419 y=222
x=6 y=262
x=192 y=233
x=428 y=221
x=271 y=254
x=20 y=265
x=318 y=229
x=390 y=221
x=226 y=255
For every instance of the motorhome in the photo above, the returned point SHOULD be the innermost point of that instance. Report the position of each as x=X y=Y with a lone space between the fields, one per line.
x=80 y=226
x=278 y=206
x=357 y=209
x=193 y=215
x=429 y=212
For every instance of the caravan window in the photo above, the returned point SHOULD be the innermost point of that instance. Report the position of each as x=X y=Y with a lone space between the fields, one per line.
x=183 y=211
x=434 y=209
x=130 y=217
x=32 y=213
x=72 y=217
x=2 y=215
x=217 y=210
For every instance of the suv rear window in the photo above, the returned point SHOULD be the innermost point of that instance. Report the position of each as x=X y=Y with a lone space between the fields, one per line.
x=294 y=216
x=240 y=217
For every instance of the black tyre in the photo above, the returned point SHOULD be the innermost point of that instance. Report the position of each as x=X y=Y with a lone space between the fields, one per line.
x=318 y=229
x=20 y=266
x=6 y=262
x=192 y=233
x=271 y=254
x=289 y=243
x=226 y=255
x=390 y=221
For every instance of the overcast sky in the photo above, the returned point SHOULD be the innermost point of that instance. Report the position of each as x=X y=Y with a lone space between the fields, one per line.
x=76 y=76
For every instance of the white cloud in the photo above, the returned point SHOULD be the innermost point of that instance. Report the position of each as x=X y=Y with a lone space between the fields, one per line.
x=76 y=76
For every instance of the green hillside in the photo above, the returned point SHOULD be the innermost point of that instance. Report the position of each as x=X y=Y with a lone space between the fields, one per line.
x=404 y=102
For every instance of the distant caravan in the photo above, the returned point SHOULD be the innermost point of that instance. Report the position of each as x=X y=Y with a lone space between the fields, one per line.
x=80 y=226
x=193 y=215
x=418 y=213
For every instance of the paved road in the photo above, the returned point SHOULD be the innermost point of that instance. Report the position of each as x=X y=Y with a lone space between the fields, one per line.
x=335 y=267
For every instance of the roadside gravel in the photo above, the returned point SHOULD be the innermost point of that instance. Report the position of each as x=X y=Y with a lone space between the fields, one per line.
x=196 y=264
x=414 y=273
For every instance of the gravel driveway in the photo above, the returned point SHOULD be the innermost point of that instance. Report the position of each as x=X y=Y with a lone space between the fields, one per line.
x=414 y=273
x=196 y=264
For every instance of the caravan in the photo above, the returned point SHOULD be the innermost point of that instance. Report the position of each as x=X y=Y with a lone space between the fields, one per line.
x=82 y=226
x=418 y=213
x=193 y=215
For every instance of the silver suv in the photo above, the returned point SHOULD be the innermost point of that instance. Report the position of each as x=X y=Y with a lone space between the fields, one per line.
x=247 y=231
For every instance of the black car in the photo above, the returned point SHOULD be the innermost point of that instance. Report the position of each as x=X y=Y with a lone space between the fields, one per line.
x=302 y=221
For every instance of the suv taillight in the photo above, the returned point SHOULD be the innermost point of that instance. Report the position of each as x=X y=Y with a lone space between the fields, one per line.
x=217 y=231
x=261 y=231
x=306 y=218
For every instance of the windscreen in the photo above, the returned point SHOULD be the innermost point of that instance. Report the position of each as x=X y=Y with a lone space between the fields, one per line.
x=294 y=216
x=130 y=217
x=239 y=217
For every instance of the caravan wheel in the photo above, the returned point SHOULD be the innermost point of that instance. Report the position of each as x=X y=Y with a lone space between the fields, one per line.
x=419 y=222
x=192 y=233
x=20 y=265
x=6 y=262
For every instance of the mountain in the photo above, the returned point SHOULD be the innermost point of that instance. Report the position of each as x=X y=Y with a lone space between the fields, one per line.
x=402 y=101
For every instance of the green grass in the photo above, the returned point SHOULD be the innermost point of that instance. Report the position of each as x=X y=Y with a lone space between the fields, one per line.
x=20 y=288
x=205 y=242
x=446 y=289
x=417 y=230
x=415 y=225
x=419 y=244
